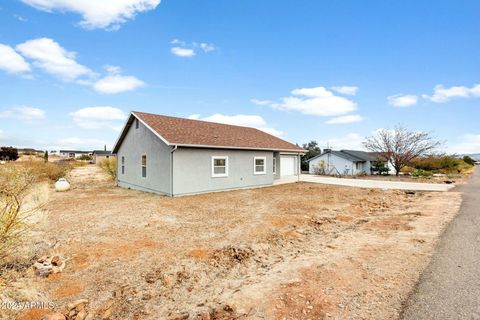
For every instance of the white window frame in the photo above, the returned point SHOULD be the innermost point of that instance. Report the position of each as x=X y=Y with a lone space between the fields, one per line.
x=274 y=165
x=142 y=166
x=219 y=175
x=123 y=165
x=264 y=165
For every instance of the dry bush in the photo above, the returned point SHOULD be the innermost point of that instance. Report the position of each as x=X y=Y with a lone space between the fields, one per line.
x=51 y=171
x=109 y=166
x=15 y=182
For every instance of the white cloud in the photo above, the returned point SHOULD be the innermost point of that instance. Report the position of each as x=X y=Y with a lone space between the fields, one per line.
x=470 y=143
x=24 y=113
x=99 y=117
x=402 y=100
x=346 y=119
x=117 y=83
x=106 y=14
x=11 y=61
x=206 y=47
x=245 y=120
x=261 y=102
x=442 y=94
x=317 y=101
x=352 y=141
x=184 y=49
x=53 y=58
x=349 y=90
x=182 y=52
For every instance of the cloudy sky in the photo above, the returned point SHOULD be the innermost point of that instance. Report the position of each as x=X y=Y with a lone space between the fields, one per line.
x=332 y=71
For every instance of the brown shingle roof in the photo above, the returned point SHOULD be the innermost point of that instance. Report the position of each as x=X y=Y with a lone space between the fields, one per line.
x=189 y=132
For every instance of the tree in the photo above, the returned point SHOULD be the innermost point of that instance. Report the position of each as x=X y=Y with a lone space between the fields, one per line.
x=8 y=153
x=312 y=150
x=400 y=146
x=45 y=156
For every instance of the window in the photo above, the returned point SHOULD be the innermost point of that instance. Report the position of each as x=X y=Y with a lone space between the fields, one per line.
x=358 y=165
x=259 y=165
x=274 y=165
x=144 y=166
x=219 y=166
x=136 y=123
x=123 y=165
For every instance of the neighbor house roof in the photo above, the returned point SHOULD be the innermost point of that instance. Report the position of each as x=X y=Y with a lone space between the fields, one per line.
x=353 y=155
x=197 y=133
x=102 y=152
x=74 y=151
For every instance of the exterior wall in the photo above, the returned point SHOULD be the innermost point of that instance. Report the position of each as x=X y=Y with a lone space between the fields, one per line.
x=136 y=143
x=192 y=170
x=332 y=162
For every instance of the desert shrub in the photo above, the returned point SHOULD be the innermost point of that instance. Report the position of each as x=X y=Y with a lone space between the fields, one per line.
x=109 y=166
x=51 y=171
x=468 y=160
x=422 y=173
x=86 y=157
x=15 y=182
x=440 y=164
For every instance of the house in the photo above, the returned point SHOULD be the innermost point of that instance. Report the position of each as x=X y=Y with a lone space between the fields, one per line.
x=73 y=153
x=100 y=155
x=347 y=162
x=176 y=156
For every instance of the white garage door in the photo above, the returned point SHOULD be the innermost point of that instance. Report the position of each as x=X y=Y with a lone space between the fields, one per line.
x=287 y=166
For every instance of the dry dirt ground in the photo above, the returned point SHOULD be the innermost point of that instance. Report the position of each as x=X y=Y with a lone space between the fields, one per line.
x=294 y=251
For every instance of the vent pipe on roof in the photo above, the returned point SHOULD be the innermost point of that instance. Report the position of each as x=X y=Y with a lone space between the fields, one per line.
x=327 y=150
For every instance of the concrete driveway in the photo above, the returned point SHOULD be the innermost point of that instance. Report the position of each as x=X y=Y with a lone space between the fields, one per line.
x=370 y=184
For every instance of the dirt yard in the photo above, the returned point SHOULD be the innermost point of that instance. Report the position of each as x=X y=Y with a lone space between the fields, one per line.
x=294 y=251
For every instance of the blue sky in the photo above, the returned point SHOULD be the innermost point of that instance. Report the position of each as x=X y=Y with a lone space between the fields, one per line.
x=331 y=71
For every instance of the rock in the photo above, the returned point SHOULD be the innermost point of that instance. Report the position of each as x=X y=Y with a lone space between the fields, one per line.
x=179 y=316
x=56 y=261
x=53 y=316
x=62 y=185
x=82 y=314
x=77 y=304
x=147 y=296
x=449 y=181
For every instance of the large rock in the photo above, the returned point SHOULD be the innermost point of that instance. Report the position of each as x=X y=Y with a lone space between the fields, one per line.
x=53 y=316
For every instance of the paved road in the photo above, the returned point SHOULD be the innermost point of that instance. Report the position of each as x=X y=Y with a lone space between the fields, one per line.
x=375 y=184
x=450 y=286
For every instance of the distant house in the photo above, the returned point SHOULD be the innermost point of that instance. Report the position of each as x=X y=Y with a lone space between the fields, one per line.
x=73 y=153
x=347 y=162
x=100 y=155
x=176 y=156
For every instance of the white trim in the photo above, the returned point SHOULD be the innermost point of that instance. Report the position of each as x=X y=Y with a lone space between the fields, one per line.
x=219 y=175
x=264 y=165
x=141 y=166
x=274 y=165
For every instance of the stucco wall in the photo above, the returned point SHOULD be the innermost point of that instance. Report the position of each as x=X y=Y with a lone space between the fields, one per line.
x=192 y=170
x=136 y=143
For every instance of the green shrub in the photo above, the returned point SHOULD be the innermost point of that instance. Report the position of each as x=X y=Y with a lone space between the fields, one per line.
x=469 y=160
x=422 y=173
x=440 y=164
x=110 y=166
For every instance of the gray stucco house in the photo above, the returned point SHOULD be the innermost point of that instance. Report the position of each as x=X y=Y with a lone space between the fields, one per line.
x=176 y=156
x=346 y=162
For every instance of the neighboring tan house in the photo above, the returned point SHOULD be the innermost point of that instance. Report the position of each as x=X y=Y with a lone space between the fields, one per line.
x=73 y=153
x=176 y=156
x=346 y=162
x=100 y=155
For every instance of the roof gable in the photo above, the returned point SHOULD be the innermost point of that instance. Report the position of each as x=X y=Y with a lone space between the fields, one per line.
x=197 y=133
